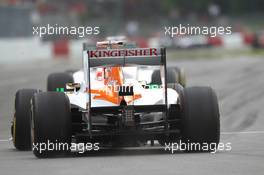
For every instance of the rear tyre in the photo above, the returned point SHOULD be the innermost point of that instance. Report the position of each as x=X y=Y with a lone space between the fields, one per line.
x=20 y=128
x=201 y=120
x=51 y=124
x=58 y=80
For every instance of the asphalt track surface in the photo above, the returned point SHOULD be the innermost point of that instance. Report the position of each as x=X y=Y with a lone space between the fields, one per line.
x=239 y=84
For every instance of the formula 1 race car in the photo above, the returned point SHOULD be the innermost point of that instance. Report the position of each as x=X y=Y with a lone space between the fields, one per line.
x=117 y=99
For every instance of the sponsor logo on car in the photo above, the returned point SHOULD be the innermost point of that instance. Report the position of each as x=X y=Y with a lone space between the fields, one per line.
x=122 y=52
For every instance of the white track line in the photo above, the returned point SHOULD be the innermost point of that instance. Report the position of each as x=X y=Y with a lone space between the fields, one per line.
x=6 y=140
x=243 y=132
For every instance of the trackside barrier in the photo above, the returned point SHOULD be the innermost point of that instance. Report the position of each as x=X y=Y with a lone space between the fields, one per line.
x=61 y=48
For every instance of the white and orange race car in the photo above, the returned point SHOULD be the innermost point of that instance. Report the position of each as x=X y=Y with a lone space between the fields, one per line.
x=121 y=97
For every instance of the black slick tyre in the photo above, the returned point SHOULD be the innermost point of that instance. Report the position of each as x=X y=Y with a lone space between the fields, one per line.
x=20 y=128
x=200 y=119
x=58 y=81
x=51 y=124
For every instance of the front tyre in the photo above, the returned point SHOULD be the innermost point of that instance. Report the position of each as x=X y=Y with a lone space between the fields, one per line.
x=181 y=76
x=58 y=81
x=201 y=120
x=171 y=77
x=175 y=75
x=51 y=124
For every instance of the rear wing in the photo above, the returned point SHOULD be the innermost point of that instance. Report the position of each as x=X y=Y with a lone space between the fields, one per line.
x=93 y=58
x=125 y=57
